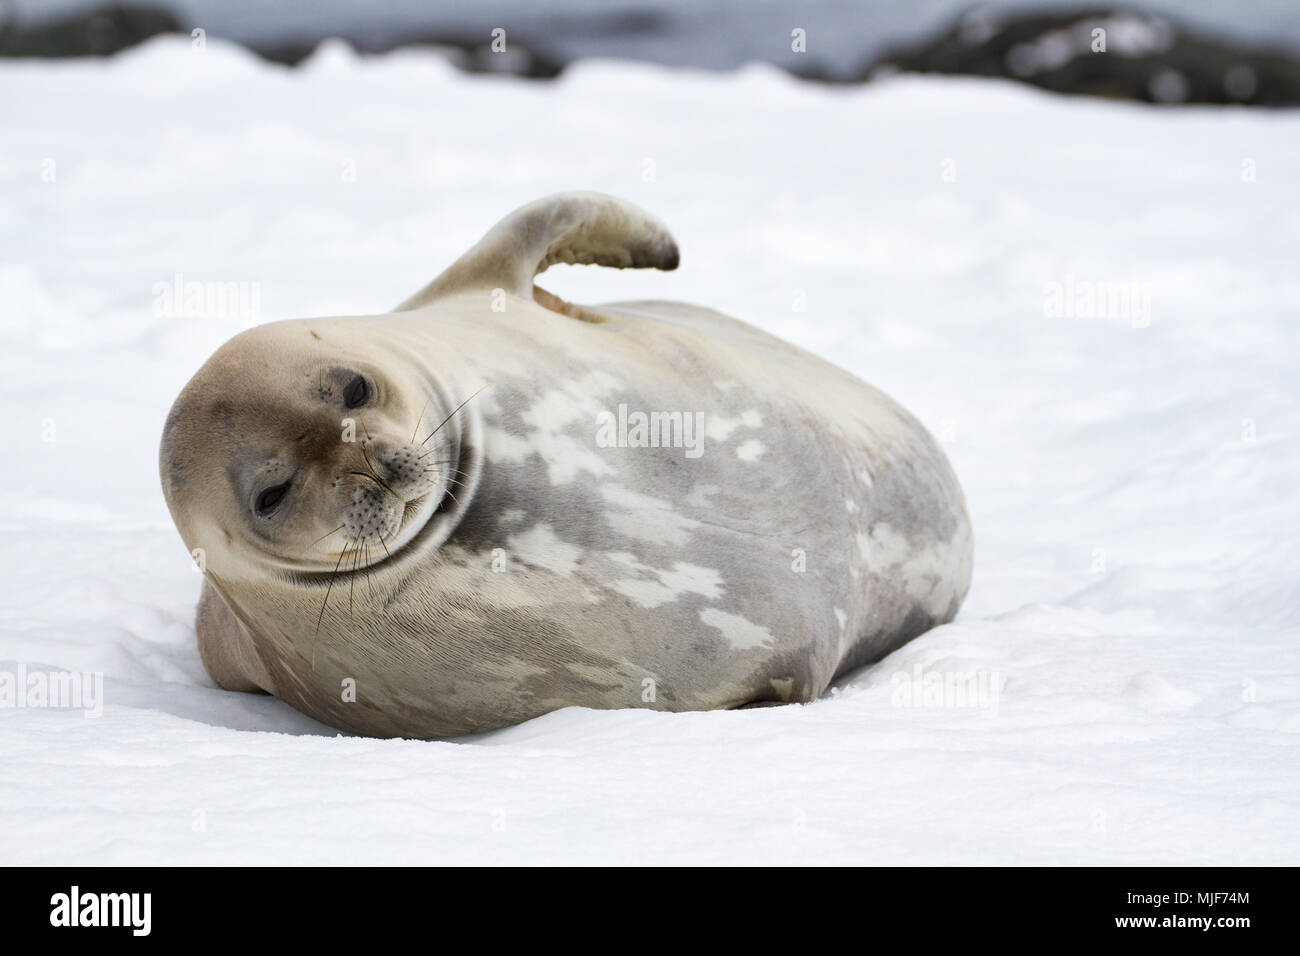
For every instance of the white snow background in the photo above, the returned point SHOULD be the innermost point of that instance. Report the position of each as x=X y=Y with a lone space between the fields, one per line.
x=1132 y=484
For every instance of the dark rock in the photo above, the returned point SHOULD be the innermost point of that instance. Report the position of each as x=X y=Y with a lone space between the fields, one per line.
x=1145 y=57
x=107 y=30
x=98 y=32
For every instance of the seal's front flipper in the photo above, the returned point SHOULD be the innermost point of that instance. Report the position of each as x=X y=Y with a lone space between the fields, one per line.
x=225 y=646
x=576 y=228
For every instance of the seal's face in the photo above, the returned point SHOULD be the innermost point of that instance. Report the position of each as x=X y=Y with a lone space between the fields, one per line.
x=290 y=451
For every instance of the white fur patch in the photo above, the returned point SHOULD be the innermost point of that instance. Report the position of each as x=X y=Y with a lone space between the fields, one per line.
x=883 y=547
x=741 y=633
x=926 y=574
x=700 y=494
x=645 y=518
x=501 y=447
x=655 y=587
x=540 y=545
x=844 y=639
x=554 y=411
x=720 y=429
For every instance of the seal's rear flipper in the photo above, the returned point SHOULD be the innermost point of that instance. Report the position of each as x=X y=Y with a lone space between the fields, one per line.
x=577 y=228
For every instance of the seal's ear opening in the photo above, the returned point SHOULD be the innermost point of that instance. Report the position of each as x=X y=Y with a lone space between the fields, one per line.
x=580 y=228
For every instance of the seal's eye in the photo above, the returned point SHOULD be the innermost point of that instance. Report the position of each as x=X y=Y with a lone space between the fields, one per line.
x=356 y=393
x=270 y=499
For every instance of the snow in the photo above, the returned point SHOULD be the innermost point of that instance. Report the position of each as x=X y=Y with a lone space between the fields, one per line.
x=1130 y=464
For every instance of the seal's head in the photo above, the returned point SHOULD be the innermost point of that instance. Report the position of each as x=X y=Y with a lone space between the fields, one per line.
x=302 y=446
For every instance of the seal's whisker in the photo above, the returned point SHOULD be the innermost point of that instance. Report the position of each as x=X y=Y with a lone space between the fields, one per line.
x=416 y=430
x=376 y=479
x=320 y=617
x=449 y=417
x=374 y=473
x=324 y=536
x=453 y=481
x=370 y=581
x=352 y=580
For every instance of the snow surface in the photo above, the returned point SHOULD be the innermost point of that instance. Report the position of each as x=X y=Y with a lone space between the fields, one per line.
x=1132 y=483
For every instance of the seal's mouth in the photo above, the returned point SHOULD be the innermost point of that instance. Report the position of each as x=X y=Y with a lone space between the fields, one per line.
x=415 y=531
x=416 y=518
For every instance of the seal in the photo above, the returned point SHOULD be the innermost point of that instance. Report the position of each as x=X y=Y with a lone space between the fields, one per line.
x=491 y=503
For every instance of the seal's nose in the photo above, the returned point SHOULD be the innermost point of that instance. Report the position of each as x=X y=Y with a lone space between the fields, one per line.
x=408 y=470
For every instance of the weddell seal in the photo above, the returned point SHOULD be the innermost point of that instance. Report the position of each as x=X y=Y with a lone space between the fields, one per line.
x=490 y=503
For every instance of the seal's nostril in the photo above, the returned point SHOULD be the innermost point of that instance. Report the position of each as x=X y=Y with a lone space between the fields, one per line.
x=301 y=437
